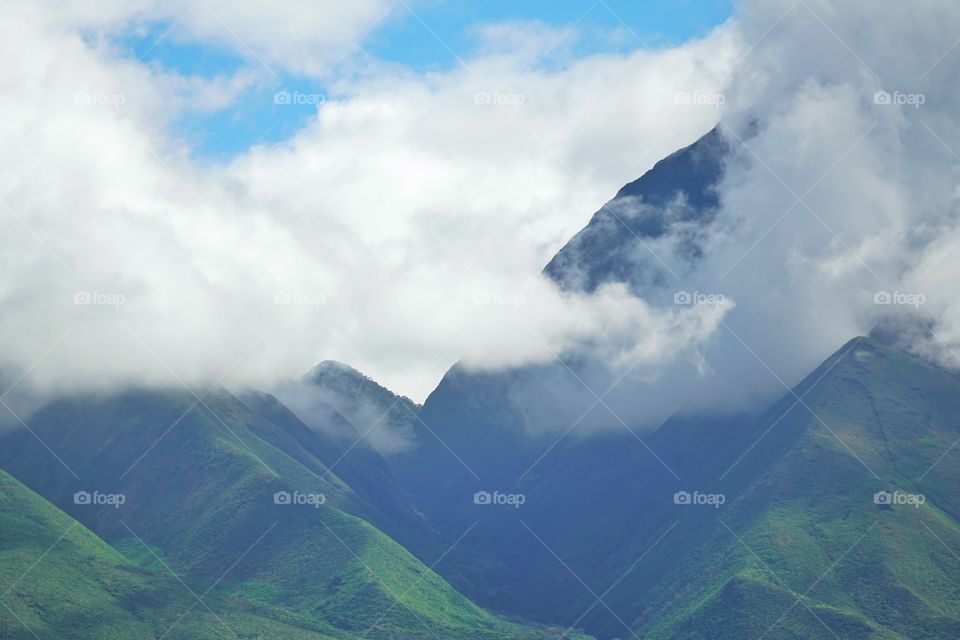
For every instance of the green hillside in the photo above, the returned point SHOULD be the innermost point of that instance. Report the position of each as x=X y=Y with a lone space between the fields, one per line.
x=59 y=580
x=799 y=548
x=201 y=493
x=802 y=550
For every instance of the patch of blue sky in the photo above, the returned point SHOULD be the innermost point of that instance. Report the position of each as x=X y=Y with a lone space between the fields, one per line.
x=429 y=35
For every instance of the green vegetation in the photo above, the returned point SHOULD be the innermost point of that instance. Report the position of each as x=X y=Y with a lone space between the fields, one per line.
x=203 y=499
x=797 y=550
x=803 y=551
x=61 y=581
x=800 y=549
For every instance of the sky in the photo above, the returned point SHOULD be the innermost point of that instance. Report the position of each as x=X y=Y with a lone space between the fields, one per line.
x=219 y=192
x=431 y=35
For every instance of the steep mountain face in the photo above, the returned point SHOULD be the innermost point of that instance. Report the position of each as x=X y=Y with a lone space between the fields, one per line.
x=677 y=196
x=250 y=505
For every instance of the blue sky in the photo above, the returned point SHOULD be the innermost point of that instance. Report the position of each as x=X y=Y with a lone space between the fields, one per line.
x=432 y=39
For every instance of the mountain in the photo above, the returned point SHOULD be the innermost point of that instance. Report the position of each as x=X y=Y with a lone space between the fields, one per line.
x=802 y=519
x=339 y=509
x=678 y=196
x=593 y=538
x=239 y=502
x=473 y=424
x=349 y=415
x=357 y=464
x=797 y=520
x=474 y=432
x=364 y=403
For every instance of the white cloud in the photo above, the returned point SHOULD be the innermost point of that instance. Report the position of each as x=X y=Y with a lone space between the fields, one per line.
x=396 y=232
x=879 y=209
x=834 y=193
x=405 y=227
x=302 y=36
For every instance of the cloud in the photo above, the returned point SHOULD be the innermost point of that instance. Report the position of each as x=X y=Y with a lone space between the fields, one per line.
x=838 y=216
x=349 y=417
x=839 y=203
x=300 y=36
x=404 y=228
x=401 y=229
x=876 y=186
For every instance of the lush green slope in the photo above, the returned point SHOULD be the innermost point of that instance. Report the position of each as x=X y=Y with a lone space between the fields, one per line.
x=60 y=580
x=798 y=549
x=200 y=485
x=359 y=466
x=805 y=525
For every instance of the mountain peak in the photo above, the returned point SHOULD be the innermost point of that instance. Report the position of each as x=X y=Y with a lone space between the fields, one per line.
x=335 y=366
x=342 y=378
x=679 y=192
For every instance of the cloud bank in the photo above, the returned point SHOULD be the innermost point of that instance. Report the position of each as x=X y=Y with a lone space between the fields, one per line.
x=402 y=229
